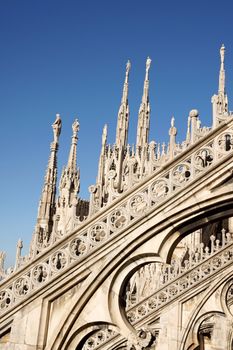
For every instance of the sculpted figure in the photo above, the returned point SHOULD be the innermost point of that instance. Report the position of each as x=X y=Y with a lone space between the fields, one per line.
x=128 y=66
x=148 y=63
x=222 y=53
x=57 y=127
x=75 y=127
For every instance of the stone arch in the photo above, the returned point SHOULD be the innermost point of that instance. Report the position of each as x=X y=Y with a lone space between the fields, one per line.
x=196 y=318
x=223 y=298
x=178 y=232
x=199 y=322
x=91 y=285
x=179 y=217
x=80 y=337
x=119 y=324
x=117 y=289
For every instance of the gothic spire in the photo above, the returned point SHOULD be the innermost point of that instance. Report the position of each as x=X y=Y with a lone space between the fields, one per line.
x=220 y=101
x=144 y=111
x=72 y=160
x=104 y=138
x=46 y=208
x=101 y=160
x=123 y=114
x=70 y=178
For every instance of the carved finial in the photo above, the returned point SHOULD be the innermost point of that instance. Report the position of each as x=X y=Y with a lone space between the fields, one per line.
x=73 y=149
x=123 y=113
x=144 y=112
x=57 y=127
x=125 y=89
x=194 y=113
x=75 y=127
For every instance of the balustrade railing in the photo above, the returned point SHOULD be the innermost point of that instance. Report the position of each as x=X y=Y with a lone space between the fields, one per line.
x=109 y=222
x=174 y=280
x=181 y=276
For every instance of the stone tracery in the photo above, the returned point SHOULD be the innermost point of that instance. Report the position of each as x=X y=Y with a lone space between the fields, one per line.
x=132 y=183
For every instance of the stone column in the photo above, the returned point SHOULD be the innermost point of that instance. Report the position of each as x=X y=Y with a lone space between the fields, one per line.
x=193 y=115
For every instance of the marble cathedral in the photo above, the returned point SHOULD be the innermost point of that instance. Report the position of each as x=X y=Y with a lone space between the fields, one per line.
x=147 y=262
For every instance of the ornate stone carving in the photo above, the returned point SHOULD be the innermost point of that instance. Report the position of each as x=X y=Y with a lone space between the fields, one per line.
x=118 y=219
x=78 y=247
x=6 y=299
x=98 y=233
x=59 y=260
x=138 y=204
x=204 y=158
x=22 y=286
x=181 y=174
x=201 y=264
x=40 y=273
x=159 y=189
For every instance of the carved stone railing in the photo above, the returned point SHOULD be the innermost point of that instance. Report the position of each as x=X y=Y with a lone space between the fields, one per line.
x=117 y=217
x=180 y=278
x=176 y=279
x=99 y=338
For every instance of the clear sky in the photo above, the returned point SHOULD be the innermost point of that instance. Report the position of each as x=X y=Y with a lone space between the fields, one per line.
x=69 y=56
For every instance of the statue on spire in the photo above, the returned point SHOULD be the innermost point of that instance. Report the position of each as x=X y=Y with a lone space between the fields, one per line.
x=128 y=66
x=57 y=128
x=123 y=113
x=69 y=185
x=148 y=63
x=47 y=206
x=172 y=121
x=125 y=89
x=144 y=111
x=220 y=100
x=75 y=127
x=222 y=71
x=222 y=54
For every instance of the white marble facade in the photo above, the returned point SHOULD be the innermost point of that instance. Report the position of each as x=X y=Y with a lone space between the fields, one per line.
x=147 y=262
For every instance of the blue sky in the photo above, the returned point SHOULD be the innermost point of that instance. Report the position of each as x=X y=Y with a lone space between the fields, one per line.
x=69 y=57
